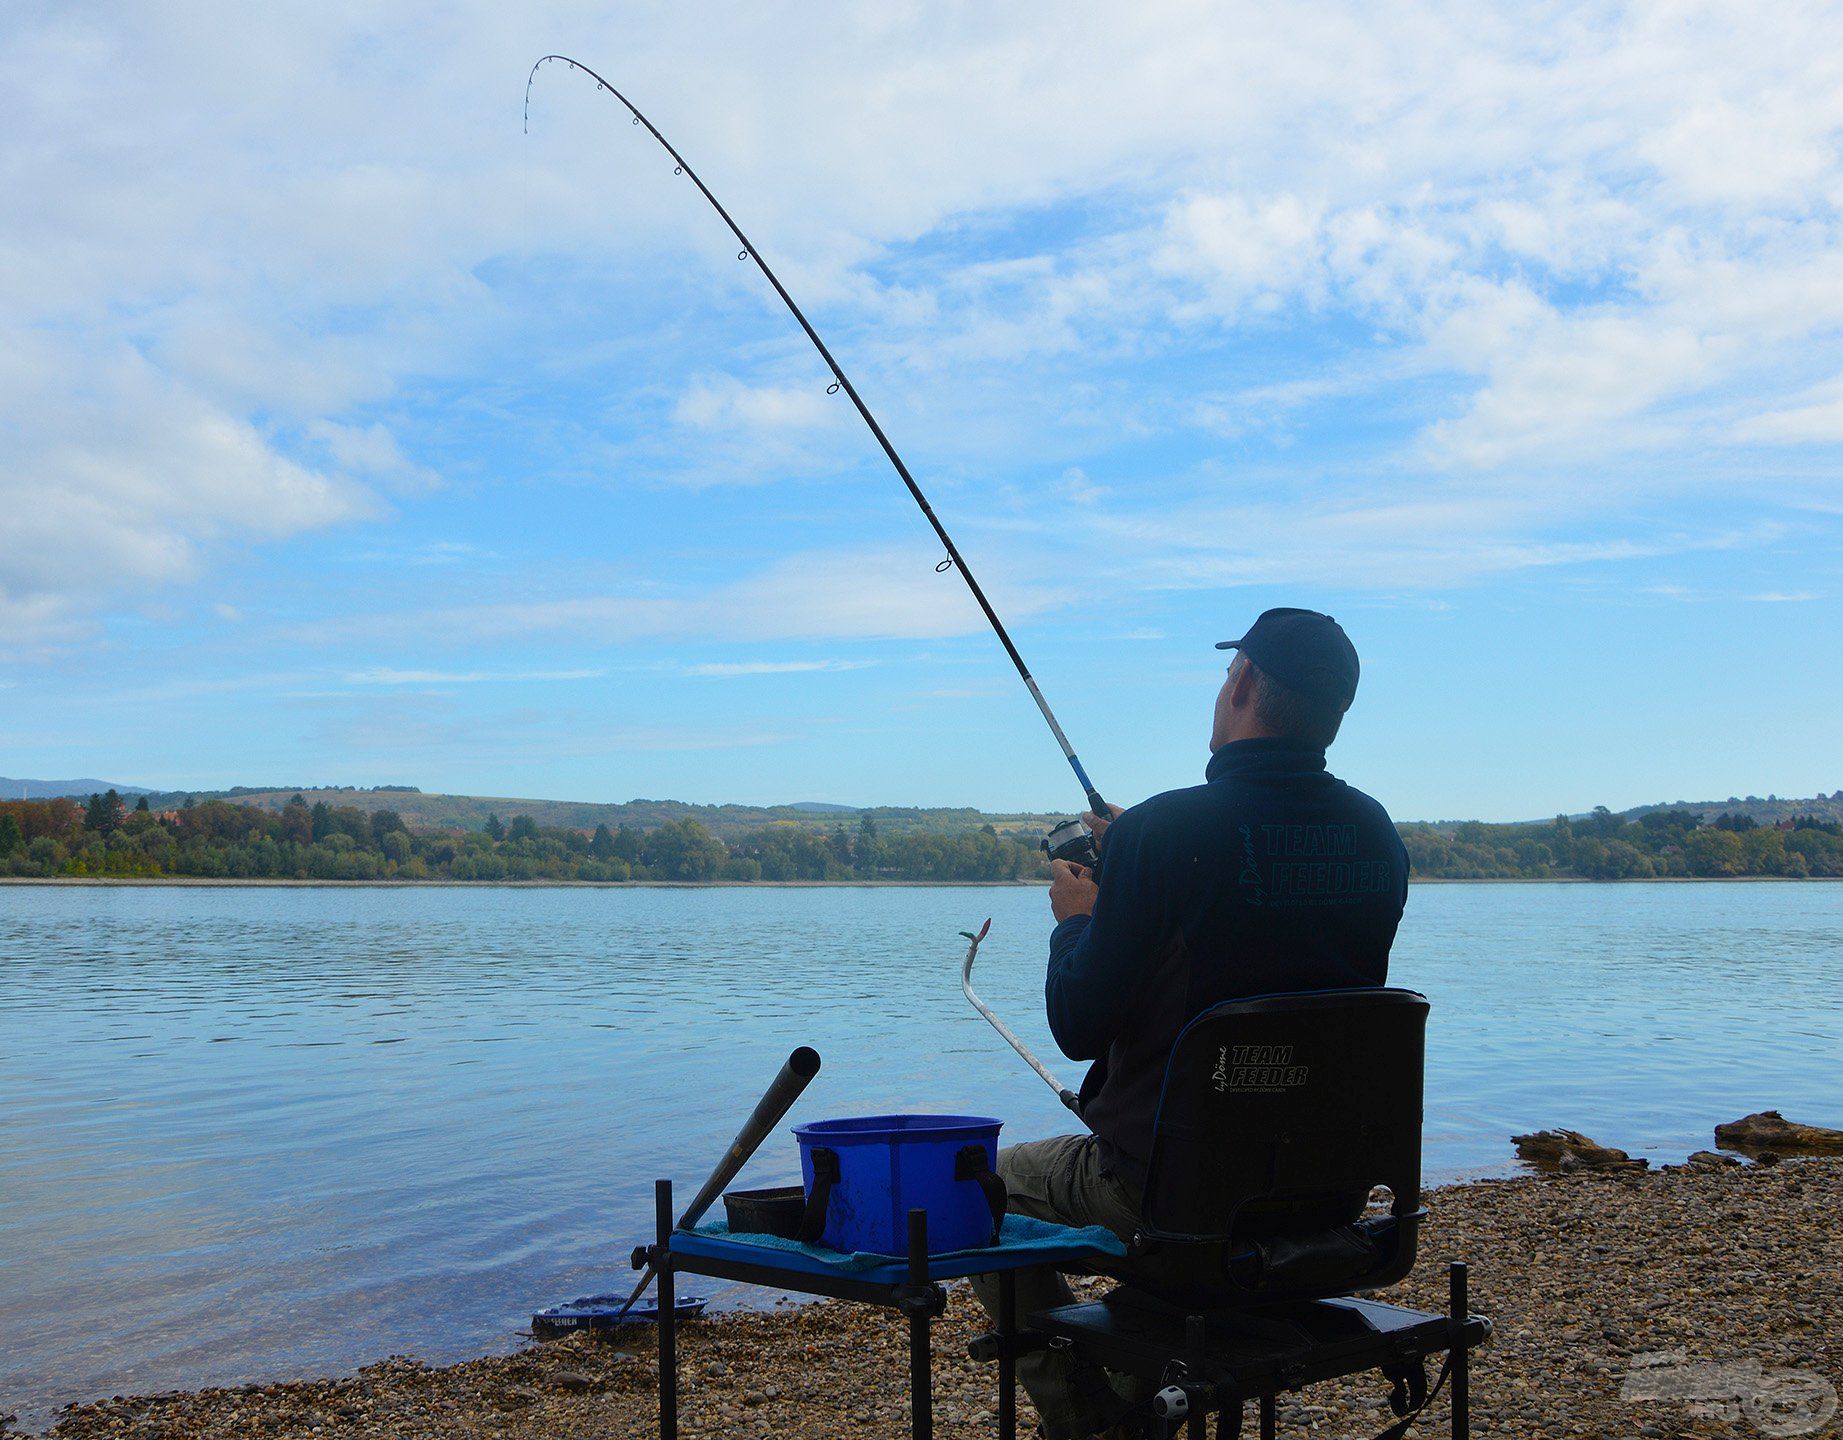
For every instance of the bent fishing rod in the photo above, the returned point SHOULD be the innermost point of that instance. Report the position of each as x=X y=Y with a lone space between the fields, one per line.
x=841 y=381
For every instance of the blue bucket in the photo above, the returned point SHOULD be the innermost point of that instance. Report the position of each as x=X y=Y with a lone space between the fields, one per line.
x=888 y=1165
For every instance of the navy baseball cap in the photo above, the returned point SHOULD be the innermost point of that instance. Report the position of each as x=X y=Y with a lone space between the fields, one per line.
x=1304 y=651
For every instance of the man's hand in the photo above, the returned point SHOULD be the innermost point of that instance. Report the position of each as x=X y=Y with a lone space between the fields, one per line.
x=1099 y=823
x=1071 y=890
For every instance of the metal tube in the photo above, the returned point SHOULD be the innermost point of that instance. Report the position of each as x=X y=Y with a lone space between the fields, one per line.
x=1196 y=1354
x=1007 y=1358
x=800 y=1068
x=668 y=1317
x=921 y=1356
x=1459 y=1310
x=1067 y=1096
x=749 y=252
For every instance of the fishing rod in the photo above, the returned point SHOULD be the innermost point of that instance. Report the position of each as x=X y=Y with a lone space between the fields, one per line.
x=841 y=381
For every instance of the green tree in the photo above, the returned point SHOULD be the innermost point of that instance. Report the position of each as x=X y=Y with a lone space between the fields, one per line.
x=1602 y=823
x=1763 y=851
x=350 y=820
x=104 y=814
x=494 y=829
x=385 y=821
x=867 y=852
x=601 y=846
x=140 y=804
x=1820 y=849
x=322 y=820
x=523 y=828
x=683 y=850
x=1712 y=852
x=297 y=822
x=11 y=836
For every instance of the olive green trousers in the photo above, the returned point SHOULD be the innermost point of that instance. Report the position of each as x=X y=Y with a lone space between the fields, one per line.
x=1061 y=1180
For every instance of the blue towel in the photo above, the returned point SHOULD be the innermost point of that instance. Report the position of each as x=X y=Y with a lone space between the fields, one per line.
x=1021 y=1242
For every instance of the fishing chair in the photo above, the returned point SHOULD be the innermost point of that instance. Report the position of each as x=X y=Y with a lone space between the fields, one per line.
x=1279 y=1117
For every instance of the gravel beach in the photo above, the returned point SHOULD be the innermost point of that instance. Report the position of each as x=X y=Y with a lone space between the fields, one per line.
x=1674 y=1281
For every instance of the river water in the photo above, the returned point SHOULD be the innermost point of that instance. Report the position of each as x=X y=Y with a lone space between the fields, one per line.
x=253 y=1133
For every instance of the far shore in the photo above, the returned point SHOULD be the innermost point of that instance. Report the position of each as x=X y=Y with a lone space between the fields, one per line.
x=281 y=883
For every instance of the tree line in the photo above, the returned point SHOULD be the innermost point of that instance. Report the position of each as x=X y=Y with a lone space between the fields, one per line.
x=221 y=840
x=1659 y=844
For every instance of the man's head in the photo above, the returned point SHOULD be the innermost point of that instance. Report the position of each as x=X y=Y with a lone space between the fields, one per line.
x=1294 y=675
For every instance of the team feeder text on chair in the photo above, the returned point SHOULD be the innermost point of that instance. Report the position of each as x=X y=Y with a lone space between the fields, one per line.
x=1279 y=1116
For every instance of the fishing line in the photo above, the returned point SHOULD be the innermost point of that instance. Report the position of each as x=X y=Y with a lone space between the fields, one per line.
x=841 y=381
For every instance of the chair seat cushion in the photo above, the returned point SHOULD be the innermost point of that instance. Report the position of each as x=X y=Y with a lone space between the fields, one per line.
x=1251 y=1350
x=1311 y=1264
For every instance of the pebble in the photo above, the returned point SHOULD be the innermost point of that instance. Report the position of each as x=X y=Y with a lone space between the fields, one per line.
x=1580 y=1273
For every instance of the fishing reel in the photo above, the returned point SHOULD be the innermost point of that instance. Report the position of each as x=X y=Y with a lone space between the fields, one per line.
x=1074 y=842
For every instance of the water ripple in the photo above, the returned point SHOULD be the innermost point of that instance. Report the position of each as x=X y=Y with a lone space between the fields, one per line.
x=347 y=1111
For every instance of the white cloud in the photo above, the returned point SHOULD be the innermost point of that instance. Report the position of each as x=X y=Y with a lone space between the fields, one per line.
x=237 y=237
x=116 y=478
x=725 y=670
x=386 y=676
x=372 y=451
x=1431 y=539
x=724 y=400
x=884 y=593
x=1245 y=253
x=1075 y=486
x=1814 y=417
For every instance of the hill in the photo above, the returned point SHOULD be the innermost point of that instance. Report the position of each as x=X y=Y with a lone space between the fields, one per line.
x=1771 y=811
x=11 y=789
x=440 y=811
x=400 y=833
x=435 y=811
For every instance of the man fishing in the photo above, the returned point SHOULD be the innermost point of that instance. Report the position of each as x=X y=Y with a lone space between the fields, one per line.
x=1271 y=876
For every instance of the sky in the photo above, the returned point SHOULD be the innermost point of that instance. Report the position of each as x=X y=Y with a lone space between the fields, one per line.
x=351 y=434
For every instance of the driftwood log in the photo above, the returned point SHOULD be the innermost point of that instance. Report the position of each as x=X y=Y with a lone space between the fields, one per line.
x=1769 y=1130
x=1569 y=1150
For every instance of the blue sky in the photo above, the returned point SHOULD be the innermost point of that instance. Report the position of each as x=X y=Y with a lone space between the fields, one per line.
x=350 y=435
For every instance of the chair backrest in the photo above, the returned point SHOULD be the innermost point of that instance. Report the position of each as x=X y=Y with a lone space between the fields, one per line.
x=1281 y=1105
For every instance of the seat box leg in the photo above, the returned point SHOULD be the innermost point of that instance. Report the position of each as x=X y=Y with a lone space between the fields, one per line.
x=921 y=1358
x=1196 y=1346
x=666 y=1294
x=1007 y=1362
x=1459 y=1310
